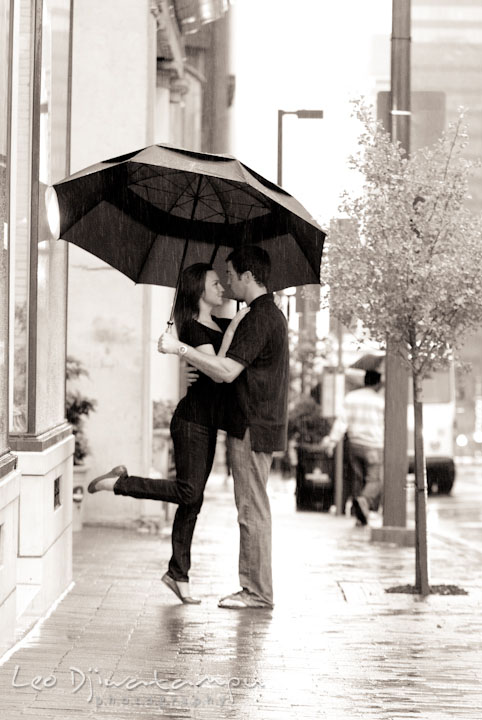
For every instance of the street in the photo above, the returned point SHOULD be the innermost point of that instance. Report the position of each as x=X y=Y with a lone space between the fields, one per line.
x=458 y=516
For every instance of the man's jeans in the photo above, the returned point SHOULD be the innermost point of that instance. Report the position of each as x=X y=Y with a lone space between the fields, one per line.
x=250 y=475
x=194 y=447
x=366 y=466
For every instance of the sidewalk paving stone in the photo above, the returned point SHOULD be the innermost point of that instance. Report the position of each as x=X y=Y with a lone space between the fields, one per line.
x=335 y=646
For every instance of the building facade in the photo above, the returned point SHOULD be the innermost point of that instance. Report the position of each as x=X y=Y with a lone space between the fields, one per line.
x=446 y=72
x=81 y=82
x=36 y=489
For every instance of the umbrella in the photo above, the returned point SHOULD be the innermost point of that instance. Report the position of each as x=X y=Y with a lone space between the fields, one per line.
x=369 y=361
x=151 y=212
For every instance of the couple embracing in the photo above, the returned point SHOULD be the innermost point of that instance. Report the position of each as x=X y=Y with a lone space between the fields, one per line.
x=243 y=388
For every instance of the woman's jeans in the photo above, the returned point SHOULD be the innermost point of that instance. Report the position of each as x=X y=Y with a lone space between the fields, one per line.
x=194 y=447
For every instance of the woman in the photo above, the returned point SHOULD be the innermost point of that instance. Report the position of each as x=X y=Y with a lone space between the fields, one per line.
x=193 y=425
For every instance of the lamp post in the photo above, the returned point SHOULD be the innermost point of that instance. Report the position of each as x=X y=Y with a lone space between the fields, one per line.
x=306 y=316
x=315 y=115
x=302 y=115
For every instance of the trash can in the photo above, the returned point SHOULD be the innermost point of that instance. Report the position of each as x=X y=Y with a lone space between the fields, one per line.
x=315 y=479
x=315 y=470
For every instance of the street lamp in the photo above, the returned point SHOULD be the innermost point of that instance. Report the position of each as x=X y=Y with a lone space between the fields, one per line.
x=302 y=115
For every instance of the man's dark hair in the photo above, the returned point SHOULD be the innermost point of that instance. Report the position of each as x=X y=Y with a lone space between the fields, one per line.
x=254 y=259
x=372 y=377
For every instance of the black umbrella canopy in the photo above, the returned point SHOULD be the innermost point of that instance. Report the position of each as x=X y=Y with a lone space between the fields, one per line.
x=137 y=211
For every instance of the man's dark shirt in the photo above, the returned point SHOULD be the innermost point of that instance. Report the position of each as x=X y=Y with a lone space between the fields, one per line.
x=258 y=398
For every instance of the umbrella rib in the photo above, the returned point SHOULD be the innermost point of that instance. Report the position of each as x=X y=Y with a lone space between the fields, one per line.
x=179 y=190
x=171 y=180
x=221 y=202
x=187 y=190
x=242 y=185
x=246 y=189
x=215 y=213
x=195 y=196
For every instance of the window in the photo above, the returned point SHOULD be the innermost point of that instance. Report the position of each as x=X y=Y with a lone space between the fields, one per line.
x=4 y=199
x=52 y=164
x=40 y=155
x=21 y=121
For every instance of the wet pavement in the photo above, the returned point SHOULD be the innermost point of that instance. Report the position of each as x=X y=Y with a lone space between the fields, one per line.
x=336 y=645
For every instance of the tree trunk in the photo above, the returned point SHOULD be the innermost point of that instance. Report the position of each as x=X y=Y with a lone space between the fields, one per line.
x=421 y=558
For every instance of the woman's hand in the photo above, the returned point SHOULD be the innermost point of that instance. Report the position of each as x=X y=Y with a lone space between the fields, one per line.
x=237 y=318
x=189 y=373
x=168 y=344
x=230 y=330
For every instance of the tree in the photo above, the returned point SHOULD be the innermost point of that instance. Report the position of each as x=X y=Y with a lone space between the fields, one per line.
x=406 y=260
x=77 y=405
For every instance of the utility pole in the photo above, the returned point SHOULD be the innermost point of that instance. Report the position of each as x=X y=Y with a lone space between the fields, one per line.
x=396 y=373
x=395 y=464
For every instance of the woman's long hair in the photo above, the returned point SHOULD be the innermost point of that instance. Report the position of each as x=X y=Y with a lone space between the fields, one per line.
x=191 y=288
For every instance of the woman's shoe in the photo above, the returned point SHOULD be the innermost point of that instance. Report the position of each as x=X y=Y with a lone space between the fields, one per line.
x=181 y=590
x=119 y=471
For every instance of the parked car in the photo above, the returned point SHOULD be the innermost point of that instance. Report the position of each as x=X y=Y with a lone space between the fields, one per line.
x=438 y=394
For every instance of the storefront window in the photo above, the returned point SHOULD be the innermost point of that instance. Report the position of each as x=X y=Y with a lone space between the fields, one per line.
x=20 y=167
x=4 y=194
x=40 y=156
x=53 y=165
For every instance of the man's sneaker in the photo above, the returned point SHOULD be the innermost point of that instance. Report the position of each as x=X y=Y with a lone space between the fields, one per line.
x=241 y=600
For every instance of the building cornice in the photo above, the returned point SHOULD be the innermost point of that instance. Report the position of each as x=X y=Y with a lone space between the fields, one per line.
x=170 y=45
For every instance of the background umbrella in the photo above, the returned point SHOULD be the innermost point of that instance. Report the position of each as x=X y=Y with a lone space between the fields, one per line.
x=355 y=373
x=369 y=361
x=151 y=212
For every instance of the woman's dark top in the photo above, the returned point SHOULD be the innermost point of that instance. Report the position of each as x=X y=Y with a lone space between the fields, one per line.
x=204 y=401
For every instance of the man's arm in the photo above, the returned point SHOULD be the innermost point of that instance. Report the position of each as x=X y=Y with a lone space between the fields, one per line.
x=329 y=442
x=220 y=369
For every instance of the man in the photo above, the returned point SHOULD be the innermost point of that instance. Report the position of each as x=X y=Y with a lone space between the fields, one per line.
x=256 y=367
x=363 y=421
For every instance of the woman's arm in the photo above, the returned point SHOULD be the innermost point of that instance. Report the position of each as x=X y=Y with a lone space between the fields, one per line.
x=207 y=349
x=230 y=330
x=227 y=338
x=218 y=367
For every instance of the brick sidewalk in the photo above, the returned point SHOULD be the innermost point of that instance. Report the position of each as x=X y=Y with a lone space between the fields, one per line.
x=335 y=646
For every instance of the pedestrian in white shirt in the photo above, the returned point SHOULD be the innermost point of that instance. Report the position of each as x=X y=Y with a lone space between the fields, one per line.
x=362 y=420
